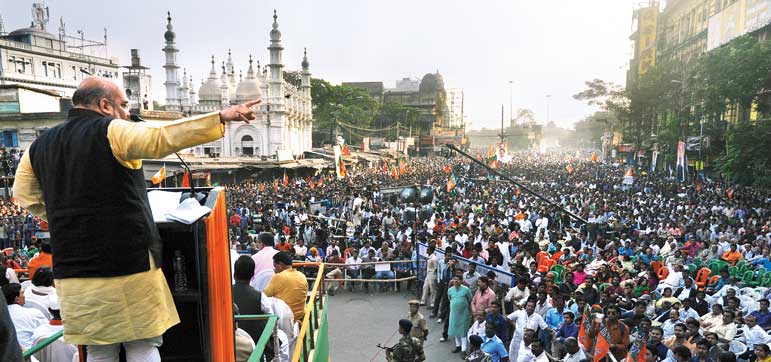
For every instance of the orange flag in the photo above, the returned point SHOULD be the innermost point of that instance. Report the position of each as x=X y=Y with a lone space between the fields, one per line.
x=262 y=187
x=451 y=183
x=186 y=180
x=603 y=346
x=159 y=176
x=394 y=172
x=402 y=167
x=311 y=184
x=343 y=172
x=321 y=181
x=275 y=185
x=385 y=167
x=285 y=180
x=345 y=151
x=594 y=157
x=447 y=169
x=583 y=329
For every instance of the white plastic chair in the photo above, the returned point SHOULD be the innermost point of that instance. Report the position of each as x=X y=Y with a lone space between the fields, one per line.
x=737 y=348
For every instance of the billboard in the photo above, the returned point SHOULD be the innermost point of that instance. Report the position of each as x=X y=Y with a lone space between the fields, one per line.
x=646 y=28
x=741 y=17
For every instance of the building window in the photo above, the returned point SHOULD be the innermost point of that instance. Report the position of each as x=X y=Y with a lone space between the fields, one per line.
x=10 y=138
x=74 y=73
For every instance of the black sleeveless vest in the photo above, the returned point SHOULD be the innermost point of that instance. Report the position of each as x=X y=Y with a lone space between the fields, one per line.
x=98 y=214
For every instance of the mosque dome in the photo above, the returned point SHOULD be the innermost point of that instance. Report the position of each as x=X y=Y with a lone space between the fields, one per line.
x=305 y=64
x=431 y=83
x=428 y=83
x=169 y=35
x=275 y=34
x=249 y=88
x=210 y=90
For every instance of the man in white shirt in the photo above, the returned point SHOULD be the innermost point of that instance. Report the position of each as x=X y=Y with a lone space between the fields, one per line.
x=753 y=334
x=519 y=294
x=429 y=284
x=263 y=261
x=354 y=270
x=574 y=353
x=524 y=319
x=539 y=354
x=25 y=320
x=58 y=350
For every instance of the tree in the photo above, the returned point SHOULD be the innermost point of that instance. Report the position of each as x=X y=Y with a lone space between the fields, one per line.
x=392 y=112
x=294 y=78
x=747 y=159
x=339 y=106
x=735 y=74
x=523 y=116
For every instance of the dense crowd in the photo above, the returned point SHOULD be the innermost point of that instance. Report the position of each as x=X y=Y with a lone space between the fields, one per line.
x=658 y=270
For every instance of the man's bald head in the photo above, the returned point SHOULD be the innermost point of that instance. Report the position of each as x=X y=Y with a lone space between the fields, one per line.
x=101 y=95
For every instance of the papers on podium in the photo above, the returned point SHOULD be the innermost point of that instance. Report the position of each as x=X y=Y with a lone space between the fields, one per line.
x=166 y=207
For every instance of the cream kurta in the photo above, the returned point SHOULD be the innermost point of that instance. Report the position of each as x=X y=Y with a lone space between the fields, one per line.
x=118 y=309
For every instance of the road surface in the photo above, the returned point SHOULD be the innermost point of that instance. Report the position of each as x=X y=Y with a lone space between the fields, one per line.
x=359 y=321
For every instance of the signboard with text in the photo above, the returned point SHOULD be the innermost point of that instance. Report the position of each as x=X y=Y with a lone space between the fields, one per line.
x=741 y=17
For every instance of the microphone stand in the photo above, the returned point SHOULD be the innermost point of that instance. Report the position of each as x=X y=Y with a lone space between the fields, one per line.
x=136 y=118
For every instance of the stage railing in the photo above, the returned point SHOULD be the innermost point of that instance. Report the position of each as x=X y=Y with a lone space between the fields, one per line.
x=43 y=344
x=262 y=342
x=313 y=341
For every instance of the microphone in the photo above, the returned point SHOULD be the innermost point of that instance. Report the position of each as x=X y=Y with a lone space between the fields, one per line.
x=198 y=196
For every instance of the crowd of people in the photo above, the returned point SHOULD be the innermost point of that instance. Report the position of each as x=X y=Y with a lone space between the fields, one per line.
x=659 y=270
x=656 y=270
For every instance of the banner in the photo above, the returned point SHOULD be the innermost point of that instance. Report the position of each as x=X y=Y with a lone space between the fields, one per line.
x=681 y=154
x=646 y=28
x=737 y=19
x=654 y=158
x=339 y=165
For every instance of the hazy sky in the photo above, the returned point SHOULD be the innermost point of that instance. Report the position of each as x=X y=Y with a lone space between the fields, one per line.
x=544 y=46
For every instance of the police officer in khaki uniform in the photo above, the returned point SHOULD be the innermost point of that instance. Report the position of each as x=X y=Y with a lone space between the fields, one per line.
x=419 y=329
x=408 y=349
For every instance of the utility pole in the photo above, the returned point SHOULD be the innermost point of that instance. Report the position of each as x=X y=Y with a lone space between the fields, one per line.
x=502 y=135
x=398 y=143
x=511 y=107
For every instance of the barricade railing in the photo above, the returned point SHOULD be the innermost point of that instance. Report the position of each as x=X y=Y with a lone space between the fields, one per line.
x=501 y=276
x=271 y=329
x=43 y=344
x=312 y=340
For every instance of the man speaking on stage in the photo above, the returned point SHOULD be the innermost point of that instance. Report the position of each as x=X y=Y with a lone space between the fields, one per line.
x=85 y=177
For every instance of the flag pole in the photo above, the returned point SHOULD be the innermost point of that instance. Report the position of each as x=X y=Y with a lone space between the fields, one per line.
x=521 y=186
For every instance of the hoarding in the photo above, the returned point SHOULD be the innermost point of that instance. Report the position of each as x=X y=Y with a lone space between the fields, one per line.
x=741 y=17
x=647 y=25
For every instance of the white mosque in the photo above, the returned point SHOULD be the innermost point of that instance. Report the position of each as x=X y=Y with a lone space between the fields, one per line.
x=284 y=118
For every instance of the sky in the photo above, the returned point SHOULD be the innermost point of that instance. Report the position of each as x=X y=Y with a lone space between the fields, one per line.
x=546 y=47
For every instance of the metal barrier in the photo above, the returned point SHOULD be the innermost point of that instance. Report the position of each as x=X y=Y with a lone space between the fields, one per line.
x=43 y=344
x=312 y=340
x=501 y=276
x=270 y=330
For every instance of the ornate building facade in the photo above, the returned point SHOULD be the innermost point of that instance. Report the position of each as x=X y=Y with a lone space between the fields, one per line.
x=284 y=117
